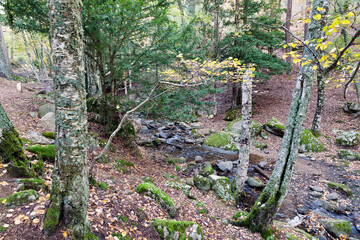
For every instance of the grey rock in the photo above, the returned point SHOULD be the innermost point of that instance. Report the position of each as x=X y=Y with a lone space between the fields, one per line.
x=197 y=125
x=316 y=194
x=48 y=122
x=333 y=196
x=302 y=210
x=198 y=159
x=37 y=138
x=225 y=166
x=44 y=109
x=190 y=181
x=336 y=227
x=212 y=131
x=350 y=107
x=184 y=126
x=263 y=164
x=189 y=140
x=33 y=114
x=255 y=182
x=348 y=139
x=163 y=135
x=316 y=188
x=202 y=183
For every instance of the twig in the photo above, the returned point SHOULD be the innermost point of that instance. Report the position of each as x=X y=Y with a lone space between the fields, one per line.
x=351 y=78
x=261 y=172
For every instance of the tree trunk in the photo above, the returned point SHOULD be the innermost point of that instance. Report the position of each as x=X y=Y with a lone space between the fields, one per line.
x=246 y=124
x=306 y=25
x=316 y=124
x=33 y=68
x=357 y=87
x=287 y=26
x=237 y=15
x=4 y=70
x=5 y=49
x=261 y=215
x=70 y=185
x=181 y=12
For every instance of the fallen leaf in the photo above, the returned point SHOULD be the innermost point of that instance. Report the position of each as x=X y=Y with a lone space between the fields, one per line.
x=36 y=220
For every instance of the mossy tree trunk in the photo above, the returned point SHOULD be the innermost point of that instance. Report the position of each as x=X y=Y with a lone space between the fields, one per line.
x=4 y=69
x=316 y=124
x=70 y=186
x=11 y=150
x=246 y=124
x=261 y=215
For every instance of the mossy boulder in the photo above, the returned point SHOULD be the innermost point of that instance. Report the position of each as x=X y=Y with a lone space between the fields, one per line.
x=336 y=227
x=36 y=184
x=348 y=139
x=159 y=196
x=171 y=160
x=351 y=107
x=349 y=155
x=202 y=183
x=44 y=152
x=341 y=187
x=38 y=167
x=177 y=185
x=147 y=179
x=275 y=127
x=259 y=144
x=220 y=140
x=207 y=171
x=255 y=182
x=310 y=143
x=22 y=197
x=235 y=127
x=221 y=186
x=50 y=135
x=231 y=115
x=175 y=230
x=46 y=108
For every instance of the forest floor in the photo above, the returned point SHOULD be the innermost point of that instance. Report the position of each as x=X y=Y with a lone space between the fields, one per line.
x=119 y=209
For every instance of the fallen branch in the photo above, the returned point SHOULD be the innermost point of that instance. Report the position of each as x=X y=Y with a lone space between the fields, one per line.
x=261 y=172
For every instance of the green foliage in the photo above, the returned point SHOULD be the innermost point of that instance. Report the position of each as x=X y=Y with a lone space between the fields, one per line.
x=103 y=185
x=123 y=165
x=50 y=135
x=121 y=237
x=44 y=152
x=171 y=229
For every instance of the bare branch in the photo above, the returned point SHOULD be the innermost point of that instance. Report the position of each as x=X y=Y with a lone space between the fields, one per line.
x=181 y=85
x=351 y=78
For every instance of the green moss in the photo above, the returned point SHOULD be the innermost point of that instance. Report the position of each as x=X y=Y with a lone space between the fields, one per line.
x=349 y=155
x=123 y=165
x=337 y=227
x=235 y=127
x=168 y=176
x=159 y=196
x=45 y=152
x=177 y=229
x=36 y=184
x=21 y=197
x=239 y=215
x=93 y=181
x=147 y=179
x=174 y=161
x=38 y=167
x=259 y=144
x=120 y=236
x=341 y=187
x=202 y=182
x=123 y=218
x=207 y=171
x=157 y=142
x=348 y=139
x=231 y=115
x=103 y=185
x=51 y=220
x=200 y=207
x=220 y=140
x=2 y=229
x=310 y=143
x=221 y=186
x=274 y=126
x=50 y=135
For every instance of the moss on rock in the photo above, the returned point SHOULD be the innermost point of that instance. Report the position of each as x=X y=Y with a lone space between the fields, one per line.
x=235 y=127
x=349 y=155
x=231 y=115
x=202 y=183
x=50 y=135
x=207 y=171
x=275 y=127
x=310 y=143
x=147 y=179
x=38 y=167
x=348 y=139
x=174 y=230
x=22 y=197
x=159 y=196
x=341 y=187
x=36 y=184
x=221 y=186
x=259 y=144
x=337 y=227
x=45 y=152
x=220 y=140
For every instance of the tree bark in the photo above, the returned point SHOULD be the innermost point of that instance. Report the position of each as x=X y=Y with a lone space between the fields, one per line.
x=357 y=87
x=181 y=12
x=246 y=124
x=4 y=69
x=70 y=185
x=33 y=68
x=261 y=215
x=5 y=49
x=316 y=124
x=287 y=26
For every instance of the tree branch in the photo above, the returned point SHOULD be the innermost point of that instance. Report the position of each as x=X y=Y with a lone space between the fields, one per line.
x=351 y=78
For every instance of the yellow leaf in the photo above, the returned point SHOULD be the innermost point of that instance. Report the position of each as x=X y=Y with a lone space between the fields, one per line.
x=307 y=21
x=333 y=55
x=317 y=17
x=4 y=183
x=345 y=22
x=296 y=60
x=315 y=67
x=350 y=14
x=35 y=221
x=292 y=44
x=285 y=46
x=64 y=234
x=3 y=201
x=320 y=9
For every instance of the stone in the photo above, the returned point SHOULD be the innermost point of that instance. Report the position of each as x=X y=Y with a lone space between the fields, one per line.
x=258 y=144
x=207 y=171
x=19 y=87
x=171 y=229
x=190 y=182
x=164 y=135
x=275 y=127
x=348 y=155
x=255 y=182
x=302 y=210
x=38 y=138
x=202 y=183
x=189 y=140
x=336 y=227
x=225 y=166
x=184 y=126
x=197 y=125
x=316 y=194
x=48 y=122
x=198 y=159
x=231 y=115
x=22 y=197
x=263 y=164
x=351 y=107
x=33 y=115
x=310 y=143
x=220 y=140
x=348 y=139
x=235 y=127
x=221 y=186
x=47 y=108
x=333 y=196
x=316 y=188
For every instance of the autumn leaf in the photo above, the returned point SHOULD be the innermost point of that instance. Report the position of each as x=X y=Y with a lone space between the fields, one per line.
x=64 y=234
x=307 y=21
x=317 y=17
x=315 y=67
x=345 y=22
x=320 y=9
x=296 y=60
x=3 y=201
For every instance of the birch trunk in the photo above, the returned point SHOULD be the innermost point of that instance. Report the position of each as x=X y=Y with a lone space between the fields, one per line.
x=70 y=186
x=5 y=49
x=357 y=87
x=246 y=124
x=4 y=70
x=287 y=26
x=261 y=215
x=316 y=124
x=33 y=68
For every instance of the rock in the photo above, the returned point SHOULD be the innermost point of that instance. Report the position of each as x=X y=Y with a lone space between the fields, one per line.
x=302 y=210
x=43 y=92
x=190 y=181
x=275 y=127
x=333 y=196
x=36 y=184
x=202 y=183
x=296 y=221
x=316 y=194
x=156 y=142
x=33 y=114
x=349 y=155
x=316 y=188
x=38 y=138
x=220 y=140
x=310 y=143
x=231 y=115
x=171 y=160
x=48 y=122
x=225 y=166
x=212 y=131
x=348 y=139
x=341 y=187
x=235 y=127
x=137 y=124
x=259 y=144
x=22 y=197
x=159 y=196
x=164 y=135
x=177 y=185
x=351 y=107
x=147 y=179
x=207 y=171
x=264 y=135
x=184 y=126
x=198 y=159
x=189 y=140
x=263 y=164
x=171 y=229
x=197 y=125
x=47 y=108
x=336 y=227
x=255 y=182
x=221 y=186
